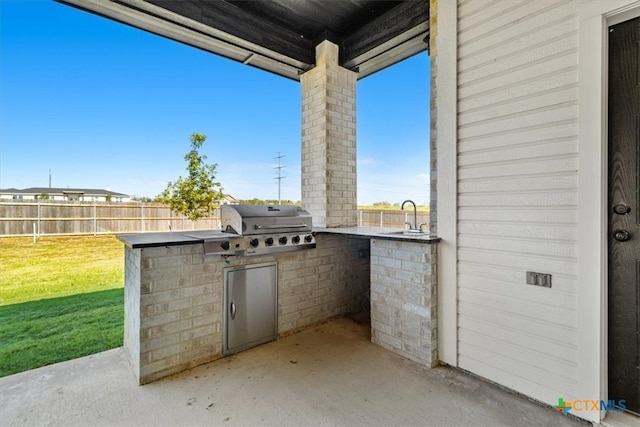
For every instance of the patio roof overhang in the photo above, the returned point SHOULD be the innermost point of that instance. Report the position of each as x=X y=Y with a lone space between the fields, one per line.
x=280 y=36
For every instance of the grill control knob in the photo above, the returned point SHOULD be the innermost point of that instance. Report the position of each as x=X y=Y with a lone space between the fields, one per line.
x=295 y=239
x=268 y=241
x=225 y=246
x=283 y=240
x=308 y=238
x=254 y=243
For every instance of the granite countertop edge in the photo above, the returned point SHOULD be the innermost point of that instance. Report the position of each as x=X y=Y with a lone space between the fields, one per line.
x=380 y=233
x=176 y=238
x=157 y=239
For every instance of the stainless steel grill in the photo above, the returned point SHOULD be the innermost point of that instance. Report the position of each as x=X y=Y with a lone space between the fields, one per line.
x=262 y=229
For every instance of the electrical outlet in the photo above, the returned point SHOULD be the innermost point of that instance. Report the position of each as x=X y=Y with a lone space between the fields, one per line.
x=538 y=279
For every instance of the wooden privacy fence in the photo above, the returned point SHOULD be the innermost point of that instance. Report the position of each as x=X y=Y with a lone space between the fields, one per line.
x=55 y=217
x=389 y=218
x=44 y=217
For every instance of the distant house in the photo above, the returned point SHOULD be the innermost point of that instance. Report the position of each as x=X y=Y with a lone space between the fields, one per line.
x=63 y=194
x=228 y=199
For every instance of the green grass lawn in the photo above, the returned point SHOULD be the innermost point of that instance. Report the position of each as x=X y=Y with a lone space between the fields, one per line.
x=60 y=299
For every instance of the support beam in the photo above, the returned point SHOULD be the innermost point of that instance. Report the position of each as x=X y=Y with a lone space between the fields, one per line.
x=401 y=30
x=226 y=17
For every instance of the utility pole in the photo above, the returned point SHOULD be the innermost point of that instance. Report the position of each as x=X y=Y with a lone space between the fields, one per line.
x=279 y=178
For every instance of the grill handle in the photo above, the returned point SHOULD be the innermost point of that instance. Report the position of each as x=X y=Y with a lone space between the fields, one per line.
x=273 y=227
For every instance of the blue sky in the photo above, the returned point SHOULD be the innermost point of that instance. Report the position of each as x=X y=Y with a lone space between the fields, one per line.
x=104 y=105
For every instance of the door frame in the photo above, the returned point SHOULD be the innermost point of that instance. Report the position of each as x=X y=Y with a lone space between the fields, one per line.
x=592 y=369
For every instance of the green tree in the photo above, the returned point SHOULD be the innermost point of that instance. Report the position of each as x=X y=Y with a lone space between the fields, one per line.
x=197 y=195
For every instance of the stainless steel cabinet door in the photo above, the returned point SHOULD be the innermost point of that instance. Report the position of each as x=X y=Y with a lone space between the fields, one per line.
x=251 y=306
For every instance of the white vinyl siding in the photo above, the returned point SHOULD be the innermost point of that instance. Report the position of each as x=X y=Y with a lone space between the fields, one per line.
x=517 y=193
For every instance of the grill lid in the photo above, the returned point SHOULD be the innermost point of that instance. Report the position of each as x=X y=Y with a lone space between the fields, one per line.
x=263 y=219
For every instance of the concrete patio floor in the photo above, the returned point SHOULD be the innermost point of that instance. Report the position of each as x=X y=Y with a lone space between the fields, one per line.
x=326 y=375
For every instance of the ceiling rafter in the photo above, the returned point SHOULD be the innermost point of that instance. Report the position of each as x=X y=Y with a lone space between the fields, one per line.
x=280 y=35
x=231 y=19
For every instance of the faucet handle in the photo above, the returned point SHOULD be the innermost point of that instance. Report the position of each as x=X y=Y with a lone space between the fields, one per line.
x=409 y=224
x=422 y=225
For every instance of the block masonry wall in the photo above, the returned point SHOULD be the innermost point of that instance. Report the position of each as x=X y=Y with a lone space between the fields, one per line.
x=403 y=299
x=176 y=293
x=317 y=285
x=329 y=140
x=132 y=308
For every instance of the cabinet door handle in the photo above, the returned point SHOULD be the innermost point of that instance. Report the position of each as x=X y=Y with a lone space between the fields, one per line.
x=233 y=310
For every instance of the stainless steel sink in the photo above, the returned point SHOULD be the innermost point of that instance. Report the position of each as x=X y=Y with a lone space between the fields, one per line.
x=415 y=233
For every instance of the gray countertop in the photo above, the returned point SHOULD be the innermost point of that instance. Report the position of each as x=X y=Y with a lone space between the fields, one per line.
x=148 y=240
x=381 y=233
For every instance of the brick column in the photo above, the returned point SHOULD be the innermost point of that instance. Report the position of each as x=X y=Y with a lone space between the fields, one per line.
x=329 y=140
x=433 y=51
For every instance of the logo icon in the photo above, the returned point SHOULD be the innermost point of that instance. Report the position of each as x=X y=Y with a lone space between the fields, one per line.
x=563 y=406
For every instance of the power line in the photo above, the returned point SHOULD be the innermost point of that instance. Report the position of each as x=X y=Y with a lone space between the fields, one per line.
x=279 y=178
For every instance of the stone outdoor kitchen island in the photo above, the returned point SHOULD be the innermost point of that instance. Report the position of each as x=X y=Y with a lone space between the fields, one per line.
x=174 y=294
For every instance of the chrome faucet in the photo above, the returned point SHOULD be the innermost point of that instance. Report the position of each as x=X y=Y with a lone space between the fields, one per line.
x=413 y=226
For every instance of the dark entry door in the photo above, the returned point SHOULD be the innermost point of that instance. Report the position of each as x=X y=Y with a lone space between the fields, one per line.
x=624 y=213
